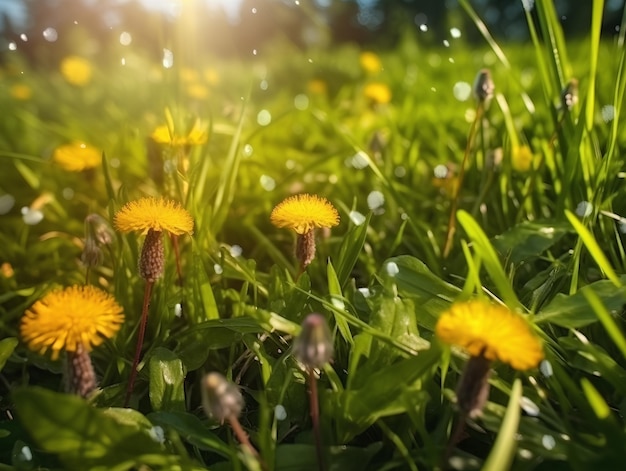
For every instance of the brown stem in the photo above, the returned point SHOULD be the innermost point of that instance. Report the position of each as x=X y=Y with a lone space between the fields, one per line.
x=241 y=435
x=142 y=332
x=315 y=418
x=457 y=190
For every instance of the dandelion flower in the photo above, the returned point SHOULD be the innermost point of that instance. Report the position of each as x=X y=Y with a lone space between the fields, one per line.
x=157 y=214
x=317 y=87
x=76 y=70
x=196 y=136
x=77 y=156
x=71 y=319
x=491 y=331
x=20 y=91
x=483 y=87
x=522 y=159
x=378 y=92
x=304 y=212
x=370 y=62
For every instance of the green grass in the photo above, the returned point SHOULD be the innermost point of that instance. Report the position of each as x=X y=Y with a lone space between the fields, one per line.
x=387 y=400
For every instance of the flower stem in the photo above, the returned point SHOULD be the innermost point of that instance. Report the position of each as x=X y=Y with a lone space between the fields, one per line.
x=142 y=331
x=315 y=418
x=241 y=435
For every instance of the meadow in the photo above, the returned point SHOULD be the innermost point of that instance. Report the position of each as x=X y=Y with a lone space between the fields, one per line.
x=450 y=294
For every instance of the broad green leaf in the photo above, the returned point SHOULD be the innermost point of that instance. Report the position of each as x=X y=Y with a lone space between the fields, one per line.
x=414 y=280
x=351 y=247
x=192 y=430
x=503 y=450
x=607 y=321
x=302 y=457
x=84 y=437
x=573 y=311
x=529 y=239
x=596 y=401
x=336 y=297
x=202 y=292
x=167 y=378
x=6 y=349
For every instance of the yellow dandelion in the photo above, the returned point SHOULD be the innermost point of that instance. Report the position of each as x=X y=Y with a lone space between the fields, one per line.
x=370 y=62
x=77 y=156
x=492 y=332
x=211 y=76
x=188 y=75
x=305 y=212
x=157 y=214
x=76 y=70
x=73 y=318
x=22 y=92
x=197 y=91
x=378 y=92
x=196 y=136
x=522 y=158
x=317 y=87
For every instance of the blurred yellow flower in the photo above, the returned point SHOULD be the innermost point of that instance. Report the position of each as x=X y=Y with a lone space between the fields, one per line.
x=6 y=269
x=317 y=87
x=522 y=158
x=490 y=331
x=71 y=318
x=370 y=62
x=188 y=75
x=304 y=212
x=197 y=91
x=76 y=70
x=196 y=136
x=157 y=214
x=211 y=76
x=378 y=92
x=19 y=91
x=77 y=156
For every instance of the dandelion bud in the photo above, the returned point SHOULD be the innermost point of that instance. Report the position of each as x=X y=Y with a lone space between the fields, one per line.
x=314 y=346
x=569 y=95
x=152 y=259
x=472 y=391
x=91 y=255
x=82 y=378
x=221 y=399
x=305 y=248
x=483 y=87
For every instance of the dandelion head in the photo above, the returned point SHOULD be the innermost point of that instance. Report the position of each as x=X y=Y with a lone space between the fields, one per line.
x=221 y=399
x=491 y=331
x=71 y=319
x=76 y=70
x=157 y=214
x=304 y=212
x=314 y=346
x=77 y=156
x=317 y=87
x=522 y=158
x=21 y=91
x=370 y=62
x=378 y=92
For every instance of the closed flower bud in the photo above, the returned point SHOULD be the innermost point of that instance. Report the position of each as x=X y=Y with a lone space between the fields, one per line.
x=221 y=399
x=483 y=87
x=314 y=346
x=152 y=259
x=569 y=95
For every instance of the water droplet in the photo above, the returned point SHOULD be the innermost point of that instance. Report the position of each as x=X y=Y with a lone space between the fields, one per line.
x=247 y=150
x=433 y=89
x=280 y=413
x=169 y=166
x=440 y=171
x=168 y=58
x=126 y=38
x=333 y=179
x=357 y=218
x=399 y=171
x=23 y=37
x=375 y=199
x=114 y=162
x=359 y=160
x=446 y=43
x=267 y=182
x=254 y=52
x=31 y=217
x=26 y=453
x=528 y=5
x=6 y=203
x=178 y=310
x=263 y=85
x=392 y=268
x=50 y=34
x=301 y=102
x=548 y=442
x=546 y=368
x=608 y=113
x=529 y=406
x=123 y=61
x=264 y=118
x=525 y=454
x=584 y=209
x=310 y=60
x=217 y=268
x=455 y=33
x=12 y=46
x=157 y=434
x=365 y=292
x=68 y=193
x=236 y=251
x=254 y=11
x=462 y=91
x=451 y=60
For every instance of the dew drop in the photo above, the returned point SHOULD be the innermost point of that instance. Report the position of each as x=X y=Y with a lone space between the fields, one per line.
x=462 y=91
x=267 y=182
x=6 y=203
x=455 y=33
x=446 y=43
x=123 y=61
x=525 y=454
x=264 y=118
x=548 y=442
x=290 y=164
x=168 y=58
x=263 y=85
x=217 y=268
x=608 y=113
x=26 y=453
x=528 y=5
x=546 y=368
x=31 y=217
x=12 y=46
x=440 y=171
x=423 y=27
x=247 y=150
x=301 y=102
x=392 y=268
x=584 y=209
x=126 y=38
x=365 y=292
x=254 y=52
x=375 y=199
x=236 y=251
x=399 y=171
x=178 y=310
x=115 y=162
x=254 y=10
x=23 y=37
x=50 y=34
x=529 y=406
x=357 y=218
x=68 y=193
x=280 y=413
x=157 y=434
x=359 y=160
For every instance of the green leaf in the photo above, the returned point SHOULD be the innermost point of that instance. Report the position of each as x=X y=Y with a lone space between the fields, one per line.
x=192 y=430
x=596 y=401
x=336 y=298
x=167 y=378
x=503 y=450
x=302 y=457
x=413 y=279
x=7 y=346
x=84 y=437
x=350 y=249
x=607 y=321
x=573 y=311
x=529 y=239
